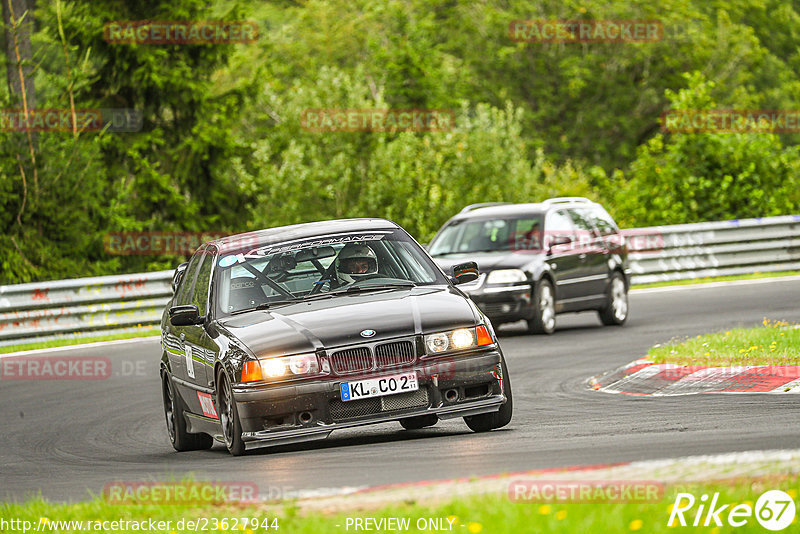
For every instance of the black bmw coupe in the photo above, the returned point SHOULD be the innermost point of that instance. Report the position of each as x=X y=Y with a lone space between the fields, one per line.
x=287 y=334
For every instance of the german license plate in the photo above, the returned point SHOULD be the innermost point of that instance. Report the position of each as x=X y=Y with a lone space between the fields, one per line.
x=378 y=387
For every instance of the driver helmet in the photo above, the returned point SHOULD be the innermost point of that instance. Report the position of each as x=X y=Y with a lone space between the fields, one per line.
x=355 y=262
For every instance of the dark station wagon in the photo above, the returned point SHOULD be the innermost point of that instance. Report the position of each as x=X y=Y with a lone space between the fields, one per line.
x=539 y=259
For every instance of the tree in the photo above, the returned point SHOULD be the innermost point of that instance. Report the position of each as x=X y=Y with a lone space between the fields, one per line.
x=18 y=23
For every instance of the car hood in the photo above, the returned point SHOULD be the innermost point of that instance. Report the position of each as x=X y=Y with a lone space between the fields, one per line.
x=490 y=261
x=339 y=321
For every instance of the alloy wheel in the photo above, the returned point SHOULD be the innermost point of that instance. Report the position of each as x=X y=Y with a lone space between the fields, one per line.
x=547 y=307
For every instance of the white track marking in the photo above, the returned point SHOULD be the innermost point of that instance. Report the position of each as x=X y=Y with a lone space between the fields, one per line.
x=709 y=285
x=82 y=346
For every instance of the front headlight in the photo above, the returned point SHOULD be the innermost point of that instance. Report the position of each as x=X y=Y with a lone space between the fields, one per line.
x=454 y=340
x=290 y=366
x=506 y=276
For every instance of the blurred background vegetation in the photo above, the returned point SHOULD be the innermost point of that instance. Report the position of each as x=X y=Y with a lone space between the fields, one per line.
x=222 y=148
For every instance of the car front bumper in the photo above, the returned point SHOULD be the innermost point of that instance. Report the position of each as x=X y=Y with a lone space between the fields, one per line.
x=503 y=304
x=281 y=414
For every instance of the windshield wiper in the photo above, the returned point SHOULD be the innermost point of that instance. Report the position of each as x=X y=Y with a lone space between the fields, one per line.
x=388 y=285
x=358 y=289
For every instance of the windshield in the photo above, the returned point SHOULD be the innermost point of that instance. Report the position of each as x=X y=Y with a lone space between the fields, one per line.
x=320 y=267
x=488 y=235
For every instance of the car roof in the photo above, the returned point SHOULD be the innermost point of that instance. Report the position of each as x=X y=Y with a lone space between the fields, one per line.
x=280 y=234
x=515 y=210
x=504 y=210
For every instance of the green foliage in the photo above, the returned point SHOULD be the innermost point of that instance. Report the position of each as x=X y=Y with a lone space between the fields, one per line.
x=222 y=148
x=689 y=177
x=418 y=179
x=162 y=178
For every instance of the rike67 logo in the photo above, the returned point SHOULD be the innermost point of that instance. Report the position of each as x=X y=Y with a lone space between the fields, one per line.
x=774 y=510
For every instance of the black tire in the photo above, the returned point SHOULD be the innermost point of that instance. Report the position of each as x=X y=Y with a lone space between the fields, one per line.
x=229 y=417
x=615 y=312
x=543 y=320
x=176 y=425
x=420 y=421
x=490 y=421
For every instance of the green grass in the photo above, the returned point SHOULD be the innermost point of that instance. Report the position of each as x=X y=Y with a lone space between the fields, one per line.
x=774 y=343
x=487 y=514
x=750 y=276
x=144 y=332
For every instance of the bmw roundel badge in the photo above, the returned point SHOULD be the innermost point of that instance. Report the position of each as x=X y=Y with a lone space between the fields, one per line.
x=367 y=333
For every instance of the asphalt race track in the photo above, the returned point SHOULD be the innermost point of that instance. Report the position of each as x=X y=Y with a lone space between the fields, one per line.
x=66 y=439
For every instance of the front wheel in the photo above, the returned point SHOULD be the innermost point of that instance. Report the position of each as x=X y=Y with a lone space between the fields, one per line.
x=544 y=309
x=229 y=417
x=490 y=421
x=176 y=425
x=615 y=312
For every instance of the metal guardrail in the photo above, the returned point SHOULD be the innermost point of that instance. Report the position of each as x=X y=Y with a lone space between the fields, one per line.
x=82 y=306
x=686 y=251
x=86 y=306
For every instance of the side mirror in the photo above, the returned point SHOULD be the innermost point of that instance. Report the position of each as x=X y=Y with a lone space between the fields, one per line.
x=464 y=273
x=178 y=276
x=185 y=315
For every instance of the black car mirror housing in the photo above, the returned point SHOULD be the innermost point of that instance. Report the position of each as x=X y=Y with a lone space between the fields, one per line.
x=464 y=273
x=185 y=315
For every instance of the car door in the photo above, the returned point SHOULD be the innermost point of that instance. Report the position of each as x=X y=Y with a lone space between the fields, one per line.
x=198 y=345
x=563 y=262
x=608 y=230
x=200 y=350
x=177 y=334
x=593 y=255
